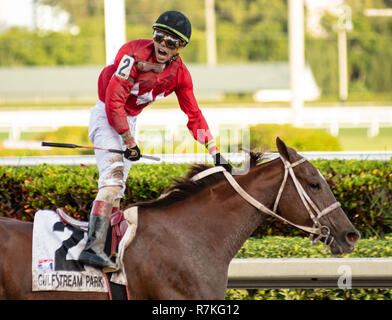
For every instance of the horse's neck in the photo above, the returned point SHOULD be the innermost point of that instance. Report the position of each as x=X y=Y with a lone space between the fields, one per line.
x=232 y=219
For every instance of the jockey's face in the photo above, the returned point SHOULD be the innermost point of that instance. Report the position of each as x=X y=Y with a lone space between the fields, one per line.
x=163 y=51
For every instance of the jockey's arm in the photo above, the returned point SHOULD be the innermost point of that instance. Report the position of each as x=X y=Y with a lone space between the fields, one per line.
x=117 y=94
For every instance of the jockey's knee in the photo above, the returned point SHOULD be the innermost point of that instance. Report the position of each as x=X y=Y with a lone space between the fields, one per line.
x=109 y=193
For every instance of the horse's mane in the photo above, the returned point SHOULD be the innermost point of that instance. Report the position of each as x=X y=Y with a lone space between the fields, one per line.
x=185 y=187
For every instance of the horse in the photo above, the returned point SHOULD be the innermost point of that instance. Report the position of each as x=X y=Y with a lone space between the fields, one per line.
x=187 y=237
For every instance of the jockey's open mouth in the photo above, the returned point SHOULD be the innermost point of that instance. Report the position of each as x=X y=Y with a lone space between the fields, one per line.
x=162 y=53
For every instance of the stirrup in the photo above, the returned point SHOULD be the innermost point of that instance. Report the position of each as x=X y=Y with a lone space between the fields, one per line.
x=109 y=269
x=94 y=260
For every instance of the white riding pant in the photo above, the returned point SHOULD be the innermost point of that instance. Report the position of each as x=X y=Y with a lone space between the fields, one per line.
x=113 y=168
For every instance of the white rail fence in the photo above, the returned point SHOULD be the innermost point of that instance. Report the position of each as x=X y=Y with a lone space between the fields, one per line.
x=343 y=273
x=332 y=118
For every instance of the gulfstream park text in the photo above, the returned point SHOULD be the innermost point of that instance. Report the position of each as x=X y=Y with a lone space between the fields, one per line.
x=57 y=280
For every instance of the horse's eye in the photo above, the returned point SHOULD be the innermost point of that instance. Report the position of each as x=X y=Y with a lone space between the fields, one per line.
x=315 y=185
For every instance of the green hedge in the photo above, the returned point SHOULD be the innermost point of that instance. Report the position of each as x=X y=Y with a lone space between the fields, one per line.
x=364 y=189
x=24 y=190
x=263 y=137
x=295 y=247
x=309 y=294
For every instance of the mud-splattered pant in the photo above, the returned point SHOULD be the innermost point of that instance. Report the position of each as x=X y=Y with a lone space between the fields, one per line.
x=113 y=168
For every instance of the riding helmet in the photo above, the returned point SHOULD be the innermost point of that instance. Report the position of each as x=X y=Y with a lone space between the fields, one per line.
x=175 y=22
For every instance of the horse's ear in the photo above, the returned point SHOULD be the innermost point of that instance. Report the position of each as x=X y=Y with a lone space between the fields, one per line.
x=286 y=152
x=282 y=148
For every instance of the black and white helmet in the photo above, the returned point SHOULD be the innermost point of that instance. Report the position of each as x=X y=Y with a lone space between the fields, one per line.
x=175 y=23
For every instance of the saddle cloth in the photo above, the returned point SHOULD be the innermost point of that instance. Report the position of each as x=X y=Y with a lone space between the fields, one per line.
x=58 y=241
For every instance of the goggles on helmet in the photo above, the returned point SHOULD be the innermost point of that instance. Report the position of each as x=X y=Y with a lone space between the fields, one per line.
x=170 y=41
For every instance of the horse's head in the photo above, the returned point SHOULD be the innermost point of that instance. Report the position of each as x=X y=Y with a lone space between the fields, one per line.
x=310 y=202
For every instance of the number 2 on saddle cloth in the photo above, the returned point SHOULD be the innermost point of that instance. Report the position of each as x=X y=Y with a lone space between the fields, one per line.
x=112 y=240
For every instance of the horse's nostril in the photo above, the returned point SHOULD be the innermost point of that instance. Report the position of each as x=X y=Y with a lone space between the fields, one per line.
x=352 y=237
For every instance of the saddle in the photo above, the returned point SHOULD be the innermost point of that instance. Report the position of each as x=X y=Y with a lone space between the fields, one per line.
x=123 y=225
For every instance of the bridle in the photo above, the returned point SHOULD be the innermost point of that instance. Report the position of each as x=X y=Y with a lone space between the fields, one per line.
x=318 y=230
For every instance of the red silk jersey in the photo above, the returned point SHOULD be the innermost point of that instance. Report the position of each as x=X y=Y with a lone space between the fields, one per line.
x=126 y=90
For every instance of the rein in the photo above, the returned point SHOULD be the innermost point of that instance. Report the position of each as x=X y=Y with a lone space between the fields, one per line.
x=317 y=229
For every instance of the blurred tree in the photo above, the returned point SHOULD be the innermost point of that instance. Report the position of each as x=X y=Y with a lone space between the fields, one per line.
x=252 y=30
x=80 y=10
x=369 y=51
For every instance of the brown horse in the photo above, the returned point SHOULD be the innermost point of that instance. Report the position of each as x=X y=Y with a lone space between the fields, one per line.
x=186 y=239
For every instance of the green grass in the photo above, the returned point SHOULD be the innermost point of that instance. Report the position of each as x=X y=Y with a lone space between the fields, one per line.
x=356 y=139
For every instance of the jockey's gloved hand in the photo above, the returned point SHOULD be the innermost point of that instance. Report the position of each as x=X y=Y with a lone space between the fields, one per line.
x=219 y=160
x=133 y=153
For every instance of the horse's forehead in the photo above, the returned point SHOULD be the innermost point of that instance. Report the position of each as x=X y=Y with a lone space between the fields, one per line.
x=313 y=169
x=318 y=171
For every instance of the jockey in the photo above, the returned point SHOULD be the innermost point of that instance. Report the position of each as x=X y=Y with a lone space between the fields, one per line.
x=143 y=71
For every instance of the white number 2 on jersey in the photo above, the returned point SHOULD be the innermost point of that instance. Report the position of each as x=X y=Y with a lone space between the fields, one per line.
x=124 y=67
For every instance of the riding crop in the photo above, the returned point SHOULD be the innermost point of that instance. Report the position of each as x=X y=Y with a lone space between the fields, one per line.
x=70 y=145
